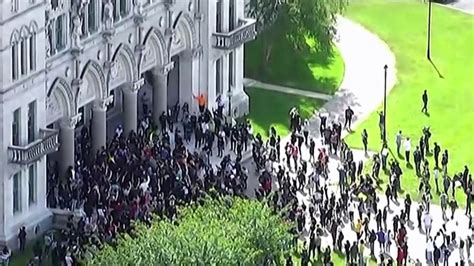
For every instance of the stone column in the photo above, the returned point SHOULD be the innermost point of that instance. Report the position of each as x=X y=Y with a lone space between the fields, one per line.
x=67 y=143
x=160 y=91
x=99 y=125
x=130 y=107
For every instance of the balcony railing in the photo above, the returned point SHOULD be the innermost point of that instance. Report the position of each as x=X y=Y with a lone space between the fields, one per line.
x=245 y=32
x=45 y=144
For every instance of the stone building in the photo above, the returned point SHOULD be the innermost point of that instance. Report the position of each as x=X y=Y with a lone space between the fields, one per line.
x=69 y=64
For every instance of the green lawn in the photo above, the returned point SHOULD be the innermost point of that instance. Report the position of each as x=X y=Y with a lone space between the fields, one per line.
x=268 y=108
x=304 y=69
x=402 y=25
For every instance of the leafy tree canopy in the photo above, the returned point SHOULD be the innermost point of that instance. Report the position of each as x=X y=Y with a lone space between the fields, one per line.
x=222 y=231
x=298 y=20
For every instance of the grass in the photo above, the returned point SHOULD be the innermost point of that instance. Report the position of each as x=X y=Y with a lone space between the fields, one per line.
x=268 y=108
x=305 y=69
x=448 y=79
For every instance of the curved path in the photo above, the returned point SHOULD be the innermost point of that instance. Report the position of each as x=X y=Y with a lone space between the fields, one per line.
x=362 y=87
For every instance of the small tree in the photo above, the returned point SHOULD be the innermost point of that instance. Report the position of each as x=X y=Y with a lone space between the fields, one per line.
x=223 y=231
x=296 y=20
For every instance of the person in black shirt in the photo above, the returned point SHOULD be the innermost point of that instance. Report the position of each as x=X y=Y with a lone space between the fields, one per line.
x=365 y=139
x=424 y=98
x=348 y=118
x=437 y=150
x=408 y=206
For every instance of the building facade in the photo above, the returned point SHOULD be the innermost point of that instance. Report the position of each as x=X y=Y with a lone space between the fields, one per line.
x=66 y=64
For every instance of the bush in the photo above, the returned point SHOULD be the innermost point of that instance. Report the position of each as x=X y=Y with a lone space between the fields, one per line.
x=223 y=231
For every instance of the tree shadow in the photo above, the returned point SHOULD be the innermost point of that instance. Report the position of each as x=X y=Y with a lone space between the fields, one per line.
x=436 y=68
x=269 y=108
x=300 y=68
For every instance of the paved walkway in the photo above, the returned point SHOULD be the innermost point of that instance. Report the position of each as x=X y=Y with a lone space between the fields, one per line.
x=466 y=6
x=310 y=94
x=362 y=87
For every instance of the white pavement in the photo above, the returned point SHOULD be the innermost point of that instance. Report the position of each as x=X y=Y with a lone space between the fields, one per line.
x=251 y=83
x=466 y=6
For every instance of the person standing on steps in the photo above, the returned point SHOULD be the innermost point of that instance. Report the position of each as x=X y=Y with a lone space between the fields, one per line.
x=22 y=238
x=365 y=139
x=201 y=99
x=348 y=118
x=424 y=98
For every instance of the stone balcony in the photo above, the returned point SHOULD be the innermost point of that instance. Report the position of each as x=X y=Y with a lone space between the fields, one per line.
x=245 y=32
x=45 y=144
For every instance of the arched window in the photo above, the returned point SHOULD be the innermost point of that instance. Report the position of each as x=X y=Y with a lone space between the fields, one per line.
x=92 y=16
x=32 y=46
x=32 y=43
x=14 y=54
x=25 y=35
x=23 y=57
x=15 y=61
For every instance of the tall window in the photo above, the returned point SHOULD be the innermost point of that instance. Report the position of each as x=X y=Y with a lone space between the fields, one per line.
x=60 y=33
x=116 y=10
x=32 y=43
x=32 y=184
x=31 y=121
x=92 y=16
x=231 y=15
x=219 y=16
x=15 y=6
x=231 y=69
x=17 y=193
x=23 y=57
x=16 y=127
x=123 y=8
x=219 y=76
x=15 y=61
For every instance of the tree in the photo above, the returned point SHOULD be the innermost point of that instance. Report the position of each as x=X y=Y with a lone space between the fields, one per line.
x=296 y=20
x=222 y=231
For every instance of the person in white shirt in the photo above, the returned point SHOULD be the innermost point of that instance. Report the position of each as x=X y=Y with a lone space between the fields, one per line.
x=118 y=131
x=407 y=146
x=427 y=220
x=429 y=251
x=436 y=177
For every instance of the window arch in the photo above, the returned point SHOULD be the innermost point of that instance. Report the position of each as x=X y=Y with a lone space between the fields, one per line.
x=32 y=45
x=25 y=36
x=14 y=40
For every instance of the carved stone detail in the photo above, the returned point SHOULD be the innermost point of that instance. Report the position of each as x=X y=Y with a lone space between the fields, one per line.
x=137 y=85
x=167 y=68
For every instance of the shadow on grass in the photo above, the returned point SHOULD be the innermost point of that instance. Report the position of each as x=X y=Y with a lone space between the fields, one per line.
x=437 y=70
x=297 y=68
x=268 y=108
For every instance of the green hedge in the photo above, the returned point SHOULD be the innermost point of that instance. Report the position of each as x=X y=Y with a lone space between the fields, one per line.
x=223 y=231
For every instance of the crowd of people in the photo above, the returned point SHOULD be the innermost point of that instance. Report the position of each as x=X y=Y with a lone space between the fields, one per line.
x=148 y=172
x=159 y=167
x=356 y=201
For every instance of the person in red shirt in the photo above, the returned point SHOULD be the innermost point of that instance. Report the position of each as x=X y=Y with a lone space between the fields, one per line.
x=201 y=99
x=400 y=256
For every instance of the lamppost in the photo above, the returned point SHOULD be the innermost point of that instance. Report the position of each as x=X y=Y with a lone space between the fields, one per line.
x=428 y=48
x=385 y=105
